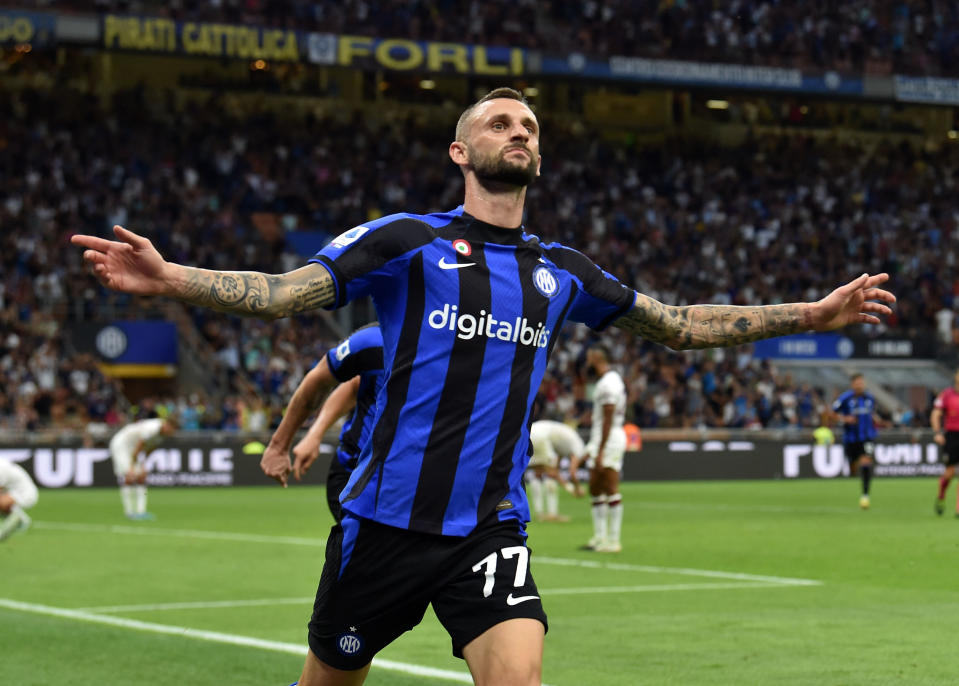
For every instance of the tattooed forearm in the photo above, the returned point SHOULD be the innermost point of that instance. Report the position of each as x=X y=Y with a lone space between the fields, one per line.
x=712 y=326
x=255 y=294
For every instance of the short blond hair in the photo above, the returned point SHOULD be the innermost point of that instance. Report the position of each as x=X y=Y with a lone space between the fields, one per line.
x=462 y=125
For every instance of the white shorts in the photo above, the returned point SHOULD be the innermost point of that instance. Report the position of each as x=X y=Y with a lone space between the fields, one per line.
x=123 y=460
x=543 y=455
x=24 y=494
x=612 y=453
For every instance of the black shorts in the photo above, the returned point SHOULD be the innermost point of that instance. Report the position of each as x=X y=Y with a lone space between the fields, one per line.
x=378 y=581
x=951 y=449
x=857 y=449
x=336 y=479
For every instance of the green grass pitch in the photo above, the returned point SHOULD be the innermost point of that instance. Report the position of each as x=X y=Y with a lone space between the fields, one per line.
x=718 y=583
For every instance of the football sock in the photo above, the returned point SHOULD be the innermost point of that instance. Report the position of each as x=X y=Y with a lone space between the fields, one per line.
x=865 y=472
x=615 y=503
x=535 y=487
x=13 y=521
x=126 y=495
x=8 y=524
x=600 y=513
x=141 y=497
x=22 y=516
x=552 y=496
x=943 y=485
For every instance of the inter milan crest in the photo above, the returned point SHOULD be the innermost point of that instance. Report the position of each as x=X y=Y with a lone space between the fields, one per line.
x=349 y=643
x=545 y=281
x=462 y=247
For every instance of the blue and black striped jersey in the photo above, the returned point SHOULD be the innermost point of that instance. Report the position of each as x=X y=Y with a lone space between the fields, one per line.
x=359 y=354
x=469 y=313
x=862 y=407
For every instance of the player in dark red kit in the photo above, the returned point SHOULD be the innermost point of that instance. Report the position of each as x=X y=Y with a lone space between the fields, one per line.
x=945 y=422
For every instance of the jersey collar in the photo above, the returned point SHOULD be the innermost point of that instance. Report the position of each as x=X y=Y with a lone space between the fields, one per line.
x=477 y=230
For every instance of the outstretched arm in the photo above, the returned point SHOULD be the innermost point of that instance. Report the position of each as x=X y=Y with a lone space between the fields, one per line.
x=306 y=398
x=339 y=402
x=715 y=326
x=133 y=265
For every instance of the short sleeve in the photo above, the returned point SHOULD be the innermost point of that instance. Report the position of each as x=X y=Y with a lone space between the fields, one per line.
x=940 y=402
x=600 y=298
x=839 y=404
x=359 y=353
x=607 y=391
x=357 y=259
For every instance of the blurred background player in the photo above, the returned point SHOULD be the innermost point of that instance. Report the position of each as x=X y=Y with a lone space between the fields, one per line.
x=947 y=436
x=17 y=493
x=856 y=408
x=551 y=441
x=356 y=363
x=607 y=444
x=125 y=448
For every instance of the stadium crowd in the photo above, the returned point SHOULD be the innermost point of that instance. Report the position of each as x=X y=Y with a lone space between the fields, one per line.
x=773 y=220
x=911 y=36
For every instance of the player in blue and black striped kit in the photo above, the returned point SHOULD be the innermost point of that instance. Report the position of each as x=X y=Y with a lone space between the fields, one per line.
x=470 y=304
x=856 y=409
x=356 y=364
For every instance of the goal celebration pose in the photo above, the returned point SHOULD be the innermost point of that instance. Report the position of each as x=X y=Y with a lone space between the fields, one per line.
x=470 y=303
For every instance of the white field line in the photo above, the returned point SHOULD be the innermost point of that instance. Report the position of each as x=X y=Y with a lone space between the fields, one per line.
x=549 y=593
x=182 y=533
x=683 y=571
x=291 y=540
x=199 y=605
x=217 y=637
x=546 y=593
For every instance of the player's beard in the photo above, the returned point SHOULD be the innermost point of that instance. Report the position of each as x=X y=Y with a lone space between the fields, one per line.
x=495 y=170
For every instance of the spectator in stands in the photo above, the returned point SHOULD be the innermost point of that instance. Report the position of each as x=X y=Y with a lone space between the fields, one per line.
x=656 y=217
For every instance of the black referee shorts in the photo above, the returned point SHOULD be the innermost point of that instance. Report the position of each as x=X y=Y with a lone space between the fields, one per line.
x=378 y=581
x=951 y=449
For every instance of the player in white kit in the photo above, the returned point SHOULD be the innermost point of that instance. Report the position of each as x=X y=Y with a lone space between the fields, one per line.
x=551 y=441
x=125 y=446
x=17 y=493
x=607 y=444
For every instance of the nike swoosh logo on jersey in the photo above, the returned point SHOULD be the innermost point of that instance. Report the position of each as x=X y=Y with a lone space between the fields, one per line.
x=510 y=600
x=453 y=265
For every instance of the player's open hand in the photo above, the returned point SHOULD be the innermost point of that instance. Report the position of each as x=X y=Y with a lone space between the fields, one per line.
x=275 y=463
x=130 y=264
x=304 y=455
x=853 y=304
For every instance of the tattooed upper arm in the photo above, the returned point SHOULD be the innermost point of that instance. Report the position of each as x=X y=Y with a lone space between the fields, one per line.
x=711 y=326
x=256 y=294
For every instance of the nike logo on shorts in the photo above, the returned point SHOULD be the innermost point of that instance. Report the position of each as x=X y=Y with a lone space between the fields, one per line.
x=510 y=600
x=453 y=265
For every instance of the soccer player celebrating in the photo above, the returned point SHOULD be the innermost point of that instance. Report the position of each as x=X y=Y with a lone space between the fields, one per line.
x=947 y=436
x=17 y=494
x=356 y=363
x=856 y=408
x=125 y=448
x=550 y=441
x=470 y=305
